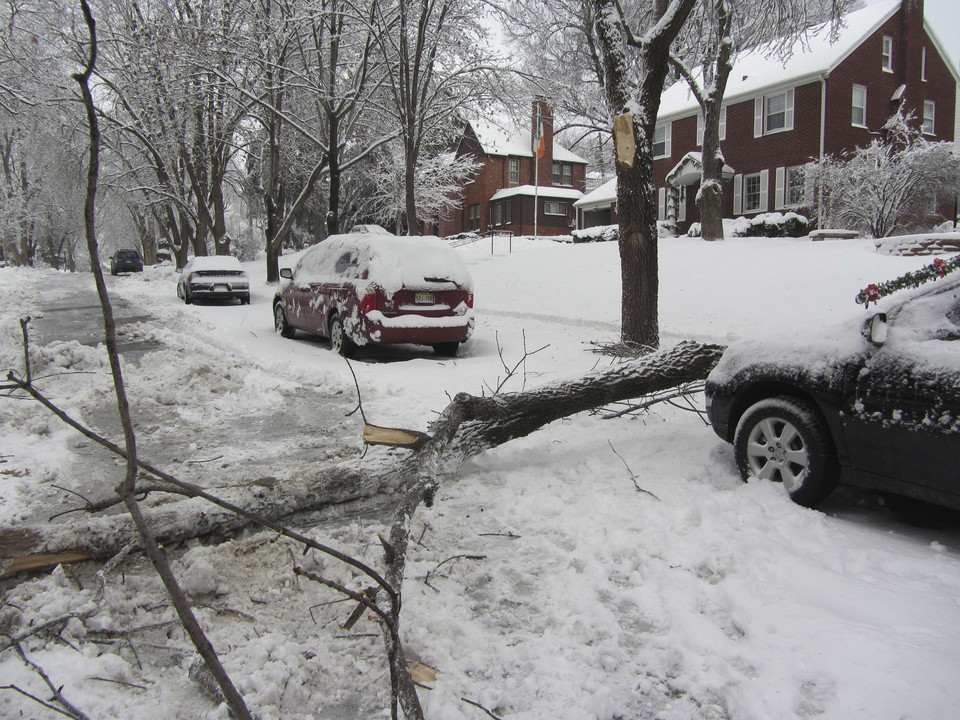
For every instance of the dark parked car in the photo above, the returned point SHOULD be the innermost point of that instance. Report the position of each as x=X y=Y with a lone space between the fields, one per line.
x=213 y=277
x=125 y=261
x=375 y=288
x=876 y=406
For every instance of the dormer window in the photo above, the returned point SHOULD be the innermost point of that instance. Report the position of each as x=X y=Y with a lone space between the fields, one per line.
x=886 y=54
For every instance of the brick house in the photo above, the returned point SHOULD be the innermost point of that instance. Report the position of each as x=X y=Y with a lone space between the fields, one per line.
x=502 y=193
x=827 y=98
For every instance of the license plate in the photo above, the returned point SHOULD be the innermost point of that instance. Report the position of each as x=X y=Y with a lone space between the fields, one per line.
x=221 y=288
x=423 y=298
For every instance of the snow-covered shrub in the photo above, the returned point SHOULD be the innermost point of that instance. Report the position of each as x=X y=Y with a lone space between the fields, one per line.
x=773 y=224
x=611 y=233
x=598 y=233
x=694 y=230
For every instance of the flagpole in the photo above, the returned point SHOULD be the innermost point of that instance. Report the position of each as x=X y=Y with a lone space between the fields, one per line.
x=537 y=142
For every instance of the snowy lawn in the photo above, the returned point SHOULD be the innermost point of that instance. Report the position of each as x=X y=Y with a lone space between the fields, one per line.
x=702 y=597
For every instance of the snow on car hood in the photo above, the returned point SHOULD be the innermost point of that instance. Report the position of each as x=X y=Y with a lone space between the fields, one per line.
x=215 y=262
x=923 y=322
x=389 y=261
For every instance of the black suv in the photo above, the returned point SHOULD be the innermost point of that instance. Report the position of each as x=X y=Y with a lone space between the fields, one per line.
x=876 y=406
x=125 y=261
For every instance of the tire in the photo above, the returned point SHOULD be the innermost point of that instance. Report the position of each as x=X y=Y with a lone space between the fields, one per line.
x=186 y=296
x=339 y=342
x=783 y=439
x=446 y=349
x=280 y=321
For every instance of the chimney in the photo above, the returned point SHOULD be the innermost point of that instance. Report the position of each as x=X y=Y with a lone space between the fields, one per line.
x=546 y=162
x=911 y=41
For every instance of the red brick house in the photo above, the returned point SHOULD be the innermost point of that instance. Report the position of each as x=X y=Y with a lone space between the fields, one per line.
x=501 y=195
x=827 y=98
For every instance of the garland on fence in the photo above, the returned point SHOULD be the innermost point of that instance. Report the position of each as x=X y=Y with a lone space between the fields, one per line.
x=934 y=271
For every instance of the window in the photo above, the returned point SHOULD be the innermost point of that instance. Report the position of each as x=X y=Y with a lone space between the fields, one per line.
x=661 y=141
x=773 y=113
x=346 y=265
x=859 y=113
x=886 y=54
x=474 y=213
x=501 y=214
x=554 y=208
x=796 y=185
x=923 y=64
x=929 y=112
x=514 y=169
x=751 y=192
x=562 y=174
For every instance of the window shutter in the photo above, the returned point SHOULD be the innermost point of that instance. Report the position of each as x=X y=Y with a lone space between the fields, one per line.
x=700 y=128
x=778 y=193
x=667 y=132
x=758 y=117
x=723 y=123
x=661 y=203
x=737 y=194
x=788 y=115
x=764 y=187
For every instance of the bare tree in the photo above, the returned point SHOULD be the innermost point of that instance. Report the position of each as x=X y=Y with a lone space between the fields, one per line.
x=436 y=65
x=635 y=55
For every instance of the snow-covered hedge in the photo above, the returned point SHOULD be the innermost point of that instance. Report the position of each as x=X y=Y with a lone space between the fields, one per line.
x=773 y=224
x=610 y=233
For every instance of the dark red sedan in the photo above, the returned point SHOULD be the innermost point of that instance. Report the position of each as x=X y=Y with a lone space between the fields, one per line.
x=366 y=288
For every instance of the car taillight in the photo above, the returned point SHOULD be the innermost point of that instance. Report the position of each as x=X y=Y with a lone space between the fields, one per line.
x=192 y=276
x=368 y=304
x=469 y=300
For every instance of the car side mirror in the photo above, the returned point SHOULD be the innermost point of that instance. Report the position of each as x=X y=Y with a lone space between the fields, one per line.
x=875 y=329
x=286 y=273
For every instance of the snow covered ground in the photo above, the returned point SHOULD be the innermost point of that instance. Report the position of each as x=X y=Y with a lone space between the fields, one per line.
x=582 y=597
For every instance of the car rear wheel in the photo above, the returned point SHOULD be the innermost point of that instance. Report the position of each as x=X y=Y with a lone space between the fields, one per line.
x=446 y=349
x=783 y=439
x=339 y=342
x=280 y=321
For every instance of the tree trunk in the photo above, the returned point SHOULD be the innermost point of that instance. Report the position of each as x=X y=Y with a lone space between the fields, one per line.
x=467 y=427
x=710 y=196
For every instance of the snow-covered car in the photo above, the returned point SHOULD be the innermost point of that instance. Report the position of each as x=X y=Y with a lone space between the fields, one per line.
x=367 y=287
x=213 y=277
x=126 y=261
x=874 y=404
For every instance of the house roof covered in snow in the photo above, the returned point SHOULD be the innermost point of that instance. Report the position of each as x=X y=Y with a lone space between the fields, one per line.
x=812 y=57
x=498 y=139
x=603 y=196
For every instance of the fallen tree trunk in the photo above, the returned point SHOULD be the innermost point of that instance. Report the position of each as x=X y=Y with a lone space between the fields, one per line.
x=467 y=427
